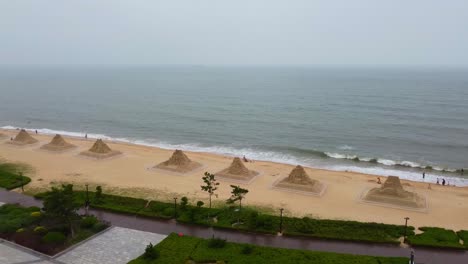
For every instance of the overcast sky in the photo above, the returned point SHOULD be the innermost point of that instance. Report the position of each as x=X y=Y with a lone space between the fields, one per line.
x=404 y=32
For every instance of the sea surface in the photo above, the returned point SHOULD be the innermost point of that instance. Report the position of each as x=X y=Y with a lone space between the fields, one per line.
x=385 y=121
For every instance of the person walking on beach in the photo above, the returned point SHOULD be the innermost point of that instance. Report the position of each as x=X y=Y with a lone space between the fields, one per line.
x=437 y=181
x=36 y=131
x=378 y=180
x=424 y=175
x=86 y=136
x=461 y=172
x=443 y=182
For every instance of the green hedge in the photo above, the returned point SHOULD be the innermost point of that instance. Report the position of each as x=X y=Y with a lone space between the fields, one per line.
x=250 y=220
x=9 y=178
x=463 y=235
x=175 y=249
x=436 y=237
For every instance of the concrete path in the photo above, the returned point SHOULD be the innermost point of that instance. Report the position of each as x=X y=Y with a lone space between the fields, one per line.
x=423 y=255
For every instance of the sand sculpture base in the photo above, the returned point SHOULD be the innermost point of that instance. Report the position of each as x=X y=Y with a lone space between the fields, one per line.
x=246 y=179
x=392 y=194
x=100 y=156
x=192 y=166
x=314 y=188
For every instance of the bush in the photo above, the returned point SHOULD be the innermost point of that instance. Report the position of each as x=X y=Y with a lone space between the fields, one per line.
x=247 y=249
x=40 y=230
x=36 y=214
x=216 y=243
x=20 y=230
x=183 y=203
x=98 y=227
x=98 y=195
x=463 y=235
x=54 y=238
x=88 y=221
x=200 y=204
x=151 y=252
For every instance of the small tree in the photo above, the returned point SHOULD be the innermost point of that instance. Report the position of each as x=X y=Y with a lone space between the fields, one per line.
x=60 y=203
x=183 y=203
x=237 y=194
x=200 y=204
x=98 y=194
x=210 y=185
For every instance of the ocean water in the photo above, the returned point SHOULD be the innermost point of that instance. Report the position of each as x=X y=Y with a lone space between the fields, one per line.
x=385 y=121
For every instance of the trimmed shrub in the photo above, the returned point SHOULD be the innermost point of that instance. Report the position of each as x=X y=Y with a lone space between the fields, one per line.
x=183 y=203
x=435 y=237
x=151 y=252
x=99 y=226
x=247 y=249
x=20 y=230
x=36 y=214
x=216 y=243
x=40 y=230
x=200 y=204
x=54 y=238
x=88 y=221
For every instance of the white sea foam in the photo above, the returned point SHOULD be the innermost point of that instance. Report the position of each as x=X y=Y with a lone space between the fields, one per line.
x=346 y=147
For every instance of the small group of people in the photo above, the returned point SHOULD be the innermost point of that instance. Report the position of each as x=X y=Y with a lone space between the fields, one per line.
x=443 y=182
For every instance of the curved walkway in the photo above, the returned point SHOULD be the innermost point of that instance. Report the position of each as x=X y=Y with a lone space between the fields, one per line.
x=423 y=255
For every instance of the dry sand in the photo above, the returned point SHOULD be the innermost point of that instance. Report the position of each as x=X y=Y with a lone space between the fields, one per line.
x=448 y=206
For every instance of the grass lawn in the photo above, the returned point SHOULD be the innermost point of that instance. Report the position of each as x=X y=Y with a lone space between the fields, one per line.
x=436 y=237
x=175 y=249
x=9 y=176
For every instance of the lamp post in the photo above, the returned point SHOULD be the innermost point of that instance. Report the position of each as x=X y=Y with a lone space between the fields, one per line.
x=406 y=228
x=22 y=181
x=87 y=200
x=281 y=221
x=175 y=207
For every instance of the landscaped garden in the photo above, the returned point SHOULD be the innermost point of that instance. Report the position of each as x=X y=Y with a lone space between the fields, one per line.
x=191 y=250
x=52 y=229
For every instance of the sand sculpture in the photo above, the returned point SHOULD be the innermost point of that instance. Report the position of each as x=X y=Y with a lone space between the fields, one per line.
x=237 y=171
x=100 y=150
x=298 y=180
x=58 y=144
x=22 y=139
x=392 y=193
x=178 y=162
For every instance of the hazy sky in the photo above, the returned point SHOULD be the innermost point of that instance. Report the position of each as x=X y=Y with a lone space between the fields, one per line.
x=427 y=32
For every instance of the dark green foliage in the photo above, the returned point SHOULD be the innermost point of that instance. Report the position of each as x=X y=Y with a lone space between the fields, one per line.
x=60 y=202
x=435 y=237
x=176 y=249
x=211 y=185
x=54 y=238
x=237 y=194
x=216 y=242
x=247 y=249
x=463 y=235
x=183 y=203
x=98 y=227
x=11 y=176
x=345 y=230
x=200 y=204
x=14 y=217
x=88 y=221
x=98 y=194
x=151 y=252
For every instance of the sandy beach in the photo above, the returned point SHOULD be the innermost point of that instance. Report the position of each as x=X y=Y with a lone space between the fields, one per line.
x=130 y=173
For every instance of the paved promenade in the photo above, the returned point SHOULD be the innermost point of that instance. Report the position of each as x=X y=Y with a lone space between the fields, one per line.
x=423 y=255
